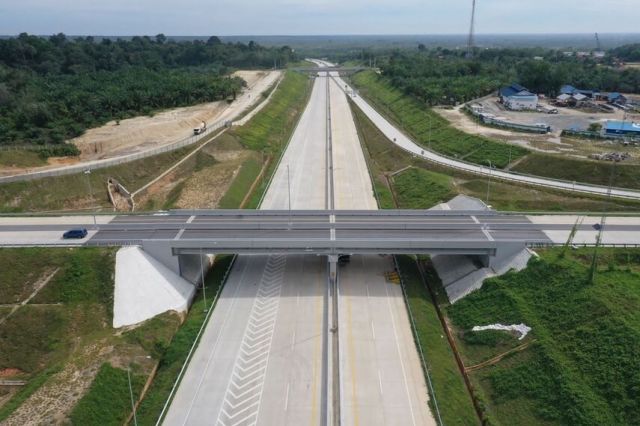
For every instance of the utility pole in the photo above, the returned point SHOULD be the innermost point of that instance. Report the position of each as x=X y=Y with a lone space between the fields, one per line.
x=489 y=183
x=204 y=287
x=430 y=120
x=289 y=190
x=133 y=405
x=87 y=173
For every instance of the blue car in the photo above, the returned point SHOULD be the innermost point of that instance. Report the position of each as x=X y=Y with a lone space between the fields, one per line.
x=75 y=233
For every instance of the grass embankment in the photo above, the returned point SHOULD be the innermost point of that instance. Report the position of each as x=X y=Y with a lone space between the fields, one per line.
x=268 y=133
x=21 y=158
x=415 y=118
x=581 y=365
x=65 y=329
x=175 y=353
x=243 y=152
x=75 y=192
x=454 y=402
x=425 y=184
x=108 y=401
x=595 y=172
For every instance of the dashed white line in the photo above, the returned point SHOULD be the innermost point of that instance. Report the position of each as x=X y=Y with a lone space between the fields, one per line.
x=373 y=331
x=286 y=399
x=380 y=382
x=404 y=373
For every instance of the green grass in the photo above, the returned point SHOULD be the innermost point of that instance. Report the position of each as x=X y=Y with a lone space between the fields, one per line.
x=267 y=134
x=38 y=340
x=73 y=191
x=595 y=172
x=21 y=158
x=26 y=391
x=454 y=402
x=426 y=184
x=583 y=366
x=241 y=184
x=108 y=401
x=415 y=117
x=174 y=354
x=84 y=287
x=422 y=189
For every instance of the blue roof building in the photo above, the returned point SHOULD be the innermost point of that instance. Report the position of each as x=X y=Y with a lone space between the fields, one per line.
x=622 y=128
x=518 y=97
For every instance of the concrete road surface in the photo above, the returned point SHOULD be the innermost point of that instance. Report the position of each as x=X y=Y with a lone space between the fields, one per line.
x=400 y=139
x=261 y=357
x=382 y=382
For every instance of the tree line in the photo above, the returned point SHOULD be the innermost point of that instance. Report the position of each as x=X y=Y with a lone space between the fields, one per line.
x=52 y=89
x=446 y=77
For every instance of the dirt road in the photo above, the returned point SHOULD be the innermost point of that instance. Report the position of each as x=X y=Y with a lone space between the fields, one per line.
x=145 y=132
x=141 y=133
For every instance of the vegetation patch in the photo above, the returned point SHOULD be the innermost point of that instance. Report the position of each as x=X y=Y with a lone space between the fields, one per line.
x=270 y=129
x=384 y=159
x=454 y=402
x=241 y=185
x=421 y=189
x=108 y=401
x=82 y=191
x=595 y=172
x=173 y=356
x=54 y=88
x=581 y=365
x=429 y=129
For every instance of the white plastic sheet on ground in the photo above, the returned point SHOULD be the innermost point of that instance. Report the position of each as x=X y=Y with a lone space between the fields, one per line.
x=520 y=328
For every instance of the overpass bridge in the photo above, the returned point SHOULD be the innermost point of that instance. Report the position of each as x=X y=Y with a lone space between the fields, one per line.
x=335 y=69
x=180 y=237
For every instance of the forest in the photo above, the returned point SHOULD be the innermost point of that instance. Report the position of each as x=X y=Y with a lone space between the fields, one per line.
x=444 y=76
x=52 y=89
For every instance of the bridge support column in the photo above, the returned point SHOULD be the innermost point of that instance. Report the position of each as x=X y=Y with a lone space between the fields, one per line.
x=504 y=251
x=186 y=265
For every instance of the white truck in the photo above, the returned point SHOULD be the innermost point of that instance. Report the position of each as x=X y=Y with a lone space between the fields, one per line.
x=200 y=129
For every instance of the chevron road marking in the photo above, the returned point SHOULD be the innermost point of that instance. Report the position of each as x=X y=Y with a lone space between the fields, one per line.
x=242 y=398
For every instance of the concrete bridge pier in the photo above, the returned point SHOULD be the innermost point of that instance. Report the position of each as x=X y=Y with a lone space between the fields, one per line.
x=188 y=266
x=504 y=252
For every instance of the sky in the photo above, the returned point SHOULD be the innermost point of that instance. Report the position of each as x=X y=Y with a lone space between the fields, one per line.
x=315 y=17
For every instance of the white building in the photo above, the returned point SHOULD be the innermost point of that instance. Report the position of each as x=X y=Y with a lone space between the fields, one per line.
x=518 y=98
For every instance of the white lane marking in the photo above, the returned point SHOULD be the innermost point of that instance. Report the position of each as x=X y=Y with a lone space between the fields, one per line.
x=213 y=350
x=190 y=219
x=251 y=362
x=380 y=382
x=286 y=399
x=333 y=234
x=475 y=219
x=404 y=374
x=179 y=234
x=486 y=233
x=373 y=331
